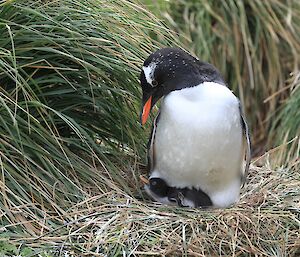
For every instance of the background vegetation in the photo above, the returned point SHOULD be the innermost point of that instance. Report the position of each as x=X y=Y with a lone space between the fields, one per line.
x=71 y=144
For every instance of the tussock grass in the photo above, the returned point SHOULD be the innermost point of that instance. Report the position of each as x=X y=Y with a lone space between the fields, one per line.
x=286 y=127
x=256 y=45
x=69 y=101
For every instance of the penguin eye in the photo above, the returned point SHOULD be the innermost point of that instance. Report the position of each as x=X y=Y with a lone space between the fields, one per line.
x=154 y=83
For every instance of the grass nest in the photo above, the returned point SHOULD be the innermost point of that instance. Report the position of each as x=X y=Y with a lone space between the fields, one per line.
x=265 y=222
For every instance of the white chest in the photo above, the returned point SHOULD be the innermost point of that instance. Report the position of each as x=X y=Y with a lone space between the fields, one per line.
x=198 y=140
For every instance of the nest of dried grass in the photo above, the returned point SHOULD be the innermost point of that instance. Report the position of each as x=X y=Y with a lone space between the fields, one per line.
x=265 y=222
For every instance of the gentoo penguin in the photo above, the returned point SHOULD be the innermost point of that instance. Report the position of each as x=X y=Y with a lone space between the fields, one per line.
x=199 y=138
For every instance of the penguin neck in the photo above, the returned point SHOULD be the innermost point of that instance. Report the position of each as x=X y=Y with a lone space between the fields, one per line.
x=208 y=92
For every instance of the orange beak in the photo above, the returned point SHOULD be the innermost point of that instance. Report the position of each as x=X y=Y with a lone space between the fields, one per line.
x=146 y=110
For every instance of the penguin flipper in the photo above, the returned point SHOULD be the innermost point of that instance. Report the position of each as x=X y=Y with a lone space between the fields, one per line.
x=150 y=146
x=247 y=147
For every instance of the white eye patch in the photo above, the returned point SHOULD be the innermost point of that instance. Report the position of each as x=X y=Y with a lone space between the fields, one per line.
x=149 y=73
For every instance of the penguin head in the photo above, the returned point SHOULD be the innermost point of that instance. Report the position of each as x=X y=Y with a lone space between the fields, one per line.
x=170 y=69
x=158 y=186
